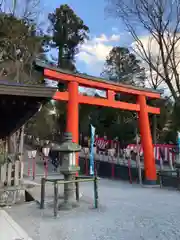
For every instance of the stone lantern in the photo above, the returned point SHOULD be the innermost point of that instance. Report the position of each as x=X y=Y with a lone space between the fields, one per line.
x=68 y=151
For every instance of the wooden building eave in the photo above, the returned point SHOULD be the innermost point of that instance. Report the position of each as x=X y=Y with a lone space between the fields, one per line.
x=18 y=103
x=27 y=90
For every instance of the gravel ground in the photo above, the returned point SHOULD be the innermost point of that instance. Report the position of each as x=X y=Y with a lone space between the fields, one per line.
x=127 y=212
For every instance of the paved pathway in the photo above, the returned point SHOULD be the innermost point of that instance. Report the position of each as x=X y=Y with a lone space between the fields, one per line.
x=9 y=229
x=39 y=165
x=126 y=212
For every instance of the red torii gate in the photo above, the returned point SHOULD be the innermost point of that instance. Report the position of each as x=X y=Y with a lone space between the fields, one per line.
x=73 y=99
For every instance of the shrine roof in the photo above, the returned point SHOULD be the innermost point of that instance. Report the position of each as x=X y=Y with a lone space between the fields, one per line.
x=19 y=102
x=16 y=89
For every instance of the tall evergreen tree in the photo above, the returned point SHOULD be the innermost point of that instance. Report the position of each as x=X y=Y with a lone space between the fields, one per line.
x=69 y=31
x=122 y=66
x=20 y=44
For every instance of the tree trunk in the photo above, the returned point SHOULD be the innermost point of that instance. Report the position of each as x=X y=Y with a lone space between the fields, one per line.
x=60 y=54
x=21 y=145
x=10 y=145
x=13 y=142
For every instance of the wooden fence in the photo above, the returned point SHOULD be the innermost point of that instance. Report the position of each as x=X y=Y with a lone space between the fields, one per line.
x=11 y=174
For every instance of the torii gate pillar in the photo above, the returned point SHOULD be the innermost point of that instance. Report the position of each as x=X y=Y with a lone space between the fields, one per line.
x=146 y=140
x=72 y=120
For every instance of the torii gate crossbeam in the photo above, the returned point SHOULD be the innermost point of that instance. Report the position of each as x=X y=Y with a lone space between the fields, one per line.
x=74 y=98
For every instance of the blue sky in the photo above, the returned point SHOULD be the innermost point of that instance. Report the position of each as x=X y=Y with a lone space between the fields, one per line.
x=104 y=32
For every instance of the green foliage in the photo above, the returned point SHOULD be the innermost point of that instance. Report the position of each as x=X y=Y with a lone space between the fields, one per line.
x=109 y=121
x=173 y=123
x=43 y=124
x=122 y=66
x=114 y=123
x=20 y=43
x=160 y=123
x=69 y=31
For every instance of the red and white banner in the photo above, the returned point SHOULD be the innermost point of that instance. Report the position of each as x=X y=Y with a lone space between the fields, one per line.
x=166 y=150
x=101 y=144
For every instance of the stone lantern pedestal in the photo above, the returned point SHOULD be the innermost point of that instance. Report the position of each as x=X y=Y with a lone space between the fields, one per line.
x=69 y=191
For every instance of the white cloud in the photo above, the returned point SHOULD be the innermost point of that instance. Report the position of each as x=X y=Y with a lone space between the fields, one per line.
x=101 y=38
x=104 y=38
x=115 y=38
x=94 y=51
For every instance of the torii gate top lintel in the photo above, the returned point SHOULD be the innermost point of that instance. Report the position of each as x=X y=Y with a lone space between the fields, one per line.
x=100 y=83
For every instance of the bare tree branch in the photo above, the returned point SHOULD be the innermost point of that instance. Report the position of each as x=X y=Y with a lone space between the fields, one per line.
x=160 y=19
